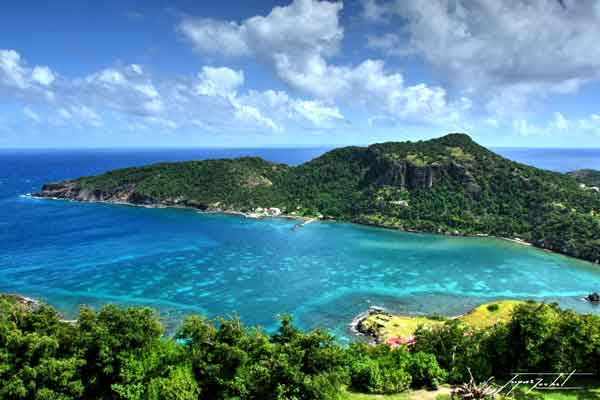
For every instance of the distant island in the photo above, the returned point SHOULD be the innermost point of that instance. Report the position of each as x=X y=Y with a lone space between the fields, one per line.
x=450 y=185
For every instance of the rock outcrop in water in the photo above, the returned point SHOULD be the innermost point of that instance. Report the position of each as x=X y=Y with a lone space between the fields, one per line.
x=593 y=297
x=449 y=185
x=126 y=195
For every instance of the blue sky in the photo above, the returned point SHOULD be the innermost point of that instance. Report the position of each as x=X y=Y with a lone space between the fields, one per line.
x=298 y=72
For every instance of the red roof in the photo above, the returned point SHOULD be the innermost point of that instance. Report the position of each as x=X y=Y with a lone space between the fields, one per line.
x=394 y=342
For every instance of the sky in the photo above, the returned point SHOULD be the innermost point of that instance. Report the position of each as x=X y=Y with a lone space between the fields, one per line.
x=125 y=73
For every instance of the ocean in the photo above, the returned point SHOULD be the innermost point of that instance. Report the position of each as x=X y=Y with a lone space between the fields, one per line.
x=183 y=262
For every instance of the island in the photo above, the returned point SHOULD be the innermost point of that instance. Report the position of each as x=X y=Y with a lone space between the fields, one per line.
x=449 y=185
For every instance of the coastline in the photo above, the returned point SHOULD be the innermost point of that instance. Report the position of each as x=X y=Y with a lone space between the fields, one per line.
x=176 y=207
x=383 y=326
x=309 y=219
x=518 y=241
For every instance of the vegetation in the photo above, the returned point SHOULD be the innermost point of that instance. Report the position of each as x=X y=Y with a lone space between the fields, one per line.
x=122 y=354
x=588 y=177
x=385 y=325
x=447 y=185
x=490 y=314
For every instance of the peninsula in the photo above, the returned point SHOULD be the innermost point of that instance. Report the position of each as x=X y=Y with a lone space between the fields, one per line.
x=450 y=185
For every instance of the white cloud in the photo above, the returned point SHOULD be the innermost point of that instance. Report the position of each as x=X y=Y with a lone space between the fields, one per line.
x=317 y=112
x=296 y=41
x=14 y=73
x=374 y=11
x=29 y=113
x=87 y=115
x=215 y=37
x=220 y=81
x=214 y=100
x=540 y=45
x=136 y=69
x=64 y=113
x=283 y=107
x=43 y=75
x=292 y=39
x=558 y=126
x=303 y=27
x=128 y=89
x=251 y=114
x=108 y=76
x=163 y=122
x=560 y=122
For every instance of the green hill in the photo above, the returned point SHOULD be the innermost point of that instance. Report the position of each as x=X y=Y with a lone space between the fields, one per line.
x=448 y=185
x=588 y=177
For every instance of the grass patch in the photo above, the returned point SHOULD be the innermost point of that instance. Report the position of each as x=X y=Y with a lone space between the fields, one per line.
x=397 y=325
x=490 y=314
x=486 y=315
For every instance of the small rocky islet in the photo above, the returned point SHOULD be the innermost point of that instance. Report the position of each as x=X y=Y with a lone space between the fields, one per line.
x=593 y=298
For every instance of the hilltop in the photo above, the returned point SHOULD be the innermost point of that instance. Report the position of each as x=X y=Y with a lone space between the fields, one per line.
x=449 y=185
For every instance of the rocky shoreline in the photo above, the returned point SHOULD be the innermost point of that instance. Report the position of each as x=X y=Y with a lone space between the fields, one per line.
x=27 y=303
x=259 y=213
x=360 y=326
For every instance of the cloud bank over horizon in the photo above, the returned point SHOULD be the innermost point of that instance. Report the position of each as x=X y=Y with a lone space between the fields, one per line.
x=511 y=72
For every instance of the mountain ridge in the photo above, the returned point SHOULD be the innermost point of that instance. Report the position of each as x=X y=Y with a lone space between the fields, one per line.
x=448 y=185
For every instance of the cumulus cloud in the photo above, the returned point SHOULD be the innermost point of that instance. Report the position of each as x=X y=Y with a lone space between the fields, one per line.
x=215 y=37
x=14 y=72
x=297 y=40
x=127 y=89
x=293 y=39
x=42 y=75
x=214 y=98
x=219 y=81
x=317 y=112
x=540 y=45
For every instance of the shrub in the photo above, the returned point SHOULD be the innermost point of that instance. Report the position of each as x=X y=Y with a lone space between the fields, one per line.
x=425 y=371
x=493 y=307
x=178 y=385
x=365 y=376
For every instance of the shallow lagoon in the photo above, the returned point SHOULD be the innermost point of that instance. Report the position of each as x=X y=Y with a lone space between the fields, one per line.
x=181 y=262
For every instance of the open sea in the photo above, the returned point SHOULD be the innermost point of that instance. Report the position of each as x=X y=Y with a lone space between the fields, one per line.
x=183 y=262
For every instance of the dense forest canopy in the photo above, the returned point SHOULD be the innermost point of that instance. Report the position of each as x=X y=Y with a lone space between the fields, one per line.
x=119 y=353
x=447 y=185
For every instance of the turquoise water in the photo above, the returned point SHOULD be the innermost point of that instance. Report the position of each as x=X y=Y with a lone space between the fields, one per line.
x=182 y=261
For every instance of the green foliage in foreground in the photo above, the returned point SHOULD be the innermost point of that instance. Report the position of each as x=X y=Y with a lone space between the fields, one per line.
x=122 y=354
